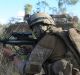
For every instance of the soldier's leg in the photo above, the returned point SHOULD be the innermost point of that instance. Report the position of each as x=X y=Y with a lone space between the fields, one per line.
x=48 y=68
x=62 y=67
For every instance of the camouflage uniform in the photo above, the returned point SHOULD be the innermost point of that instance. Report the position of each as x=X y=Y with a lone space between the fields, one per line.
x=51 y=53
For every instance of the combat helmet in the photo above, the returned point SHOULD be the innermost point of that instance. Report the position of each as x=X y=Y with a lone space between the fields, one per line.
x=43 y=18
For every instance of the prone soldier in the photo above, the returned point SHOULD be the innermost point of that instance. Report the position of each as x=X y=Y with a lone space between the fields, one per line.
x=52 y=53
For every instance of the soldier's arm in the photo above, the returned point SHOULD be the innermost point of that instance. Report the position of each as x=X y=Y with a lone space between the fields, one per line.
x=34 y=64
x=38 y=56
x=40 y=53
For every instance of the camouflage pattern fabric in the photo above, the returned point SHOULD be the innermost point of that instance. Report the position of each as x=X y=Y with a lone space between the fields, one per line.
x=53 y=42
x=51 y=47
x=38 y=56
x=42 y=51
x=75 y=38
x=62 y=67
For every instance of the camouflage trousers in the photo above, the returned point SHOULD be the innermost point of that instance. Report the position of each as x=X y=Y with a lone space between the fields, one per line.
x=61 y=67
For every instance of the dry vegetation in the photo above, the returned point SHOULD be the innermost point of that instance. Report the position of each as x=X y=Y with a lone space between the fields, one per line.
x=7 y=67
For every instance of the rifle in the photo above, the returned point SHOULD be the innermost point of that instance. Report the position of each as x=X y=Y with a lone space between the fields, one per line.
x=21 y=38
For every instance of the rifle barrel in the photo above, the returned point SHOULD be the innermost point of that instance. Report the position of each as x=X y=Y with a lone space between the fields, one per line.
x=18 y=42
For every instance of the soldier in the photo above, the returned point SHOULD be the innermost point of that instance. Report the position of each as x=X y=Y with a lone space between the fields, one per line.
x=53 y=52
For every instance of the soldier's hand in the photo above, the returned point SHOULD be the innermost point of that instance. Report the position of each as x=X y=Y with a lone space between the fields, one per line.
x=26 y=48
x=7 y=52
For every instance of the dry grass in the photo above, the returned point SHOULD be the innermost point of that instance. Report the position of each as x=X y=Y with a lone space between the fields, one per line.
x=6 y=67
